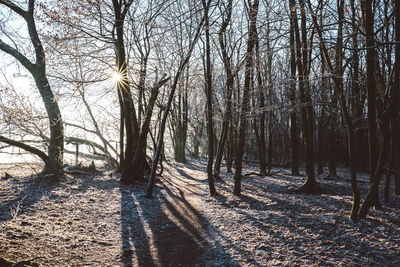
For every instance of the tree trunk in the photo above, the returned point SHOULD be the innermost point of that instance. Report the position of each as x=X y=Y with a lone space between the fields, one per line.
x=357 y=108
x=310 y=186
x=209 y=113
x=245 y=101
x=261 y=139
x=229 y=88
x=293 y=113
x=347 y=118
x=54 y=163
x=368 y=21
x=139 y=161
x=332 y=148
x=321 y=152
x=123 y=86
x=179 y=143
x=396 y=100
x=150 y=183
x=230 y=148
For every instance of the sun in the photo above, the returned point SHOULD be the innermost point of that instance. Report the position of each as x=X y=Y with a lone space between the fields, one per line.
x=116 y=77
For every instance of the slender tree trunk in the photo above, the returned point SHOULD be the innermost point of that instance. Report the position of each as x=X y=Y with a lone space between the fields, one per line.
x=229 y=88
x=368 y=21
x=321 y=151
x=121 y=132
x=389 y=174
x=151 y=181
x=332 y=147
x=396 y=100
x=209 y=112
x=356 y=105
x=230 y=150
x=347 y=118
x=245 y=101
x=261 y=139
x=270 y=136
x=310 y=186
x=293 y=112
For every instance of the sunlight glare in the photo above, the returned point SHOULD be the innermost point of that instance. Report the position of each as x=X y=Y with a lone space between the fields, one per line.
x=116 y=77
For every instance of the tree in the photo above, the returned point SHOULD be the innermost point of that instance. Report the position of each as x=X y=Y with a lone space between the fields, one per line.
x=293 y=113
x=54 y=158
x=182 y=64
x=346 y=116
x=251 y=41
x=302 y=61
x=229 y=89
x=209 y=112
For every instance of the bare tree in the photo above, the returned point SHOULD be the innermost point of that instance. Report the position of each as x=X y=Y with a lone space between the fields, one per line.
x=54 y=158
x=252 y=38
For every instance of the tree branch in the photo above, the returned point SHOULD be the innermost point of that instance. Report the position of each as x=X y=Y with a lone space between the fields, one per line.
x=17 y=55
x=14 y=7
x=25 y=147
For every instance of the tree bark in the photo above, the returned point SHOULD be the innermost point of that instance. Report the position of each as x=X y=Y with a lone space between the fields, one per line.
x=209 y=112
x=293 y=114
x=246 y=91
x=310 y=186
x=368 y=22
x=54 y=163
x=139 y=160
x=229 y=88
x=123 y=87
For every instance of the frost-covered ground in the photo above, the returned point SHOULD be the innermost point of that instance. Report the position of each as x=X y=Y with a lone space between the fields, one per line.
x=93 y=220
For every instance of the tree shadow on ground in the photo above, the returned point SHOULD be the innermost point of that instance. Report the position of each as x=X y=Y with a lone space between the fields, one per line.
x=33 y=189
x=165 y=231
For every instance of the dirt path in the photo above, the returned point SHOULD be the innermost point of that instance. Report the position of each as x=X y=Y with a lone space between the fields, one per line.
x=95 y=221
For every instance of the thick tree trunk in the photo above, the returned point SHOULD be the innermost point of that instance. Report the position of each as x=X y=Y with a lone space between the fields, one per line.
x=373 y=192
x=56 y=146
x=139 y=163
x=123 y=86
x=179 y=144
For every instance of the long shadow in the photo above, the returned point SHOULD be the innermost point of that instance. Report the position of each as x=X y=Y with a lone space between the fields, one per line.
x=134 y=239
x=34 y=188
x=193 y=228
x=207 y=227
x=290 y=219
x=168 y=230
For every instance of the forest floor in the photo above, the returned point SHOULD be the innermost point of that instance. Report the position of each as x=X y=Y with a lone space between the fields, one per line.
x=93 y=220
